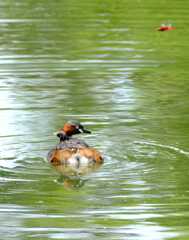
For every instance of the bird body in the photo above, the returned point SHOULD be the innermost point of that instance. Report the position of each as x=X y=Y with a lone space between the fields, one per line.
x=72 y=151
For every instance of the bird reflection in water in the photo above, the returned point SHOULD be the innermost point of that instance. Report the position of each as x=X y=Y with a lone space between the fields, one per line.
x=72 y=177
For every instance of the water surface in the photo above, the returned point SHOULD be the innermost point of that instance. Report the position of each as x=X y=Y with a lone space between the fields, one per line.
x=105 y=64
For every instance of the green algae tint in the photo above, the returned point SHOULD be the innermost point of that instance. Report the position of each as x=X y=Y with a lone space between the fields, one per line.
x=105 y=64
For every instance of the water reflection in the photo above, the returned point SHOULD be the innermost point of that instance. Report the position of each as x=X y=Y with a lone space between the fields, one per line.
x=70 y=182
x=72 y=176
x=104 y=64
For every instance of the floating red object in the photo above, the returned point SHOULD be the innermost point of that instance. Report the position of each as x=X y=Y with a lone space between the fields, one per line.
x=166 y=28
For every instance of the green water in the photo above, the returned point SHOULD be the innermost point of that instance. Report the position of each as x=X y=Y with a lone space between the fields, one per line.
x=104 y=63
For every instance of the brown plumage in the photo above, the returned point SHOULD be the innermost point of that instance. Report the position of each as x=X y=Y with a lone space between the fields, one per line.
x=72 y=151
x=63 y=156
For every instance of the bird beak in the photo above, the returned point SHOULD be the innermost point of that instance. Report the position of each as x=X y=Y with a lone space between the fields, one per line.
x=85 y=131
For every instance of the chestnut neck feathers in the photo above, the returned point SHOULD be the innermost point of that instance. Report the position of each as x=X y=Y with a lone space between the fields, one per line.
x=71 y=128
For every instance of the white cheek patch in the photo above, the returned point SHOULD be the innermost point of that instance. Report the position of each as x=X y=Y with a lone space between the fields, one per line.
x=80 y=130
